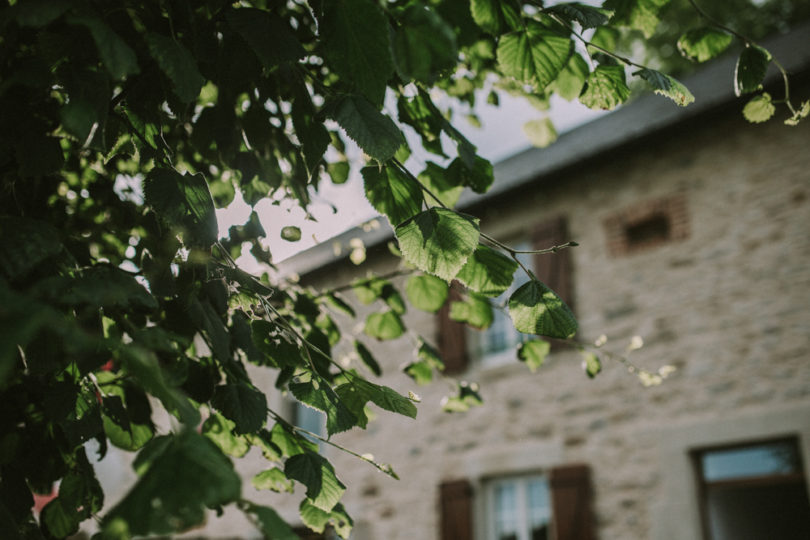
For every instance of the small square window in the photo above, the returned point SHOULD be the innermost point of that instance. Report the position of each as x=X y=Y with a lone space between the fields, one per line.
x=646 y=225
x=519 y=508
x=754 y=492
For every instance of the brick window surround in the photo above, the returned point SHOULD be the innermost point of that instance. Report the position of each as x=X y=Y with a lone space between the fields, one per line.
x=647 y=224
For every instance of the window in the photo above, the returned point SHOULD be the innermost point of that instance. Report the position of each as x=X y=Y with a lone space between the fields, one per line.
x=519 y=508
x=754 y=492
x=309 y=419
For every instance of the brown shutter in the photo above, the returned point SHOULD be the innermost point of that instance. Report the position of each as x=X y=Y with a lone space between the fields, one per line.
x=571 y=502
x=456 y=510
x=452 y=336
x=554 y=269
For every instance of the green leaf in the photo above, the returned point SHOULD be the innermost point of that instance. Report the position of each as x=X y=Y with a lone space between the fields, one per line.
x=586 y=16
x=337 y=302
x=338 y=172
x=313 y=517
x=479 y=177
x=702 y=44
x=39 y=13
x=318 y=395
x=267 y=34
x=495 y=16
x=24 y=244
x=540 y=133
x=424 y=45
x=488 y=271
x=243 y=404
x=392 y=193
x=357 y=392
x=178 y=64
x=759 y=109
x=183 y=201
x=802 y=112
x=269 y=522
x=273 y=479
x=475 y=310
x=375 y=133
x=639 y=14
x=221 y=431
x=38 y=155
x=751 y=68
x=533 y=353
x=118 y=58
x=467 y=397
x=125 y=413
x=606 y=88
x=591 y=364
x=536 y=309
x=60 y=520
x=291 y=233
x=146 y=369
x=442 y=183
x=312 y=134
x=535 y=55
x=438 y=241
x=367 y=358
x=100 y=286
x=356 y=46
x=384 y=325
x=667 y=86
x=201 y=477
x=427 y=293
x=324 y=490
x=368 y=290
x=568 y=84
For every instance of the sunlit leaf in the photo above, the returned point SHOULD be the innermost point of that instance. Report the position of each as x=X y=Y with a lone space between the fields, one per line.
x=438 y=241
x=392 y=193
x=702 y=44
x=667 y=86
x=759 y=109
x=536 y=309
x=384 y=325
x=374 y=132
x=324 y=490
x=487 y=271
x=586 y=16
x=475 y=310
x=534 y=55
x=533 y=353
x=541 y=132
x=606 y=88
x=427 y=293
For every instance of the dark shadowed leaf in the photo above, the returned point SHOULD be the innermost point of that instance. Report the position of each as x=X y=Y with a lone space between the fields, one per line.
x=118 y=58
x=751 y=68
x=356 y=45
x=318 y=395
x=367 y=358
x=374 y=132
x=24 y=243
x=243 y=404
x=201 y=477
x=586 y=16
x=178 y=64
x=221 y=431
x=324 y=490
x=183 y=201
x=268 y=520
x=392 y=193
x=267 y=34
x=424 y=44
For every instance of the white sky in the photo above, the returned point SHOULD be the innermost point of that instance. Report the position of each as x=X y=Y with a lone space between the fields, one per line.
x=337 y=208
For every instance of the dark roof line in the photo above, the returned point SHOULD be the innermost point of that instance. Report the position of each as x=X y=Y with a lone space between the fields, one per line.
x=711 y=86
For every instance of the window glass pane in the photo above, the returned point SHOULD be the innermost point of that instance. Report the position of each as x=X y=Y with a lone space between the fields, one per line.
x=506 y=526
x=759 y=460
x=539 y=509
x=309 y=419
x=759 y=512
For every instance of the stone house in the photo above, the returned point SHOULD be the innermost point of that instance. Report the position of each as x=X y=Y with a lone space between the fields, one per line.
x=694 y=233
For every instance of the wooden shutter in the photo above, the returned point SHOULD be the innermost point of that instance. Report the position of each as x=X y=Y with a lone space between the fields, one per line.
x=456 y=510
x=554 y=269
x=452 y=336
x=571 y=502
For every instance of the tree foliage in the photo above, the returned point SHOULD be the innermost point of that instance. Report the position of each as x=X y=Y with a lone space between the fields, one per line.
x=124 y=126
